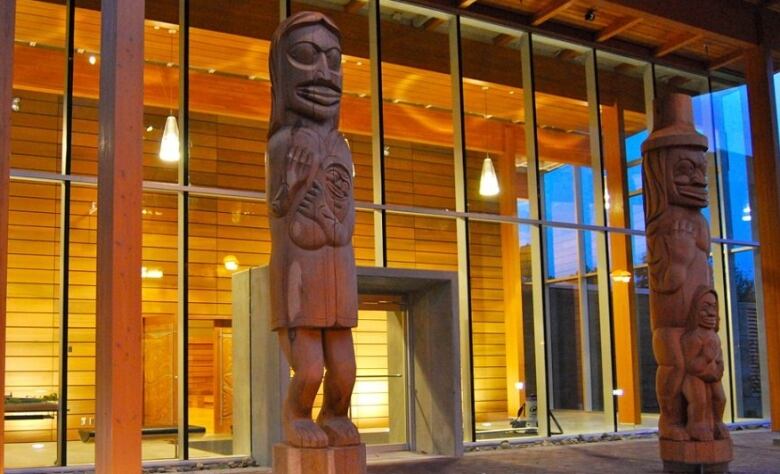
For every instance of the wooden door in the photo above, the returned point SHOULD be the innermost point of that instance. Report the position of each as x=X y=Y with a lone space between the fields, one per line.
x=159 y=349
x=223 y=379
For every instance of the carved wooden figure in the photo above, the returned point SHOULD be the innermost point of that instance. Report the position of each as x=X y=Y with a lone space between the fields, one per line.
x=312 y=214
x=683 y=305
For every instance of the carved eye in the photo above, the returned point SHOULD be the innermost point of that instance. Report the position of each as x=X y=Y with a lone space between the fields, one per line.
x=334 y=58
x=304 y=53
x=684 y=167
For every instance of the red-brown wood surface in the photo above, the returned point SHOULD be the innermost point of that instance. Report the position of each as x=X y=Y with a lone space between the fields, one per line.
x=118 y=420
x=763 y=126
x=6 y=68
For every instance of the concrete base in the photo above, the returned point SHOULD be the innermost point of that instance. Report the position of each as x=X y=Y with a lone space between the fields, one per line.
x=340 y=460
x=696 y=456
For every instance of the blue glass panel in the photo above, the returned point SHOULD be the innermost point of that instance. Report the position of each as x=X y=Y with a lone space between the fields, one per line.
x=559 y=194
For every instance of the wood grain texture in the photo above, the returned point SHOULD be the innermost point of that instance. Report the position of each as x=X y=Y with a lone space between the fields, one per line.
x=7 y=17
x=120 y=180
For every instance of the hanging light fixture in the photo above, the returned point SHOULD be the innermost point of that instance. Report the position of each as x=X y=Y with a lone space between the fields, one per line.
x=169 y=145
x=488 y=181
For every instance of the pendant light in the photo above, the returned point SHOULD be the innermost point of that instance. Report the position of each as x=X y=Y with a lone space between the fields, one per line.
x=170 y=143
x=488 y=181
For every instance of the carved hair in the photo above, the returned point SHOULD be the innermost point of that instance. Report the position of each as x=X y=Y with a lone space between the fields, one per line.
x=693 y=314
x=276 y=63
x=654 y=184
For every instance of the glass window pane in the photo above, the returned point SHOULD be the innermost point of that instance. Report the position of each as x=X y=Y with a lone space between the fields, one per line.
x=493 y=117
x=38 y=86
x=502 y=331
x=225 y=236
x=32 y=393
x=421 y=242
x=563 y=131
x=417 y=108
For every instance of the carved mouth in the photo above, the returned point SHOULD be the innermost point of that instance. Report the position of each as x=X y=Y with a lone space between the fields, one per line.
x=698 y=193
x=322 y=93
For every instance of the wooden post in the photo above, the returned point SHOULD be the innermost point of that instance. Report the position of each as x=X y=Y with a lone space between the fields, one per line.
x=763 y=125
x=623 y=319
x=7 y=17
x=120 y=182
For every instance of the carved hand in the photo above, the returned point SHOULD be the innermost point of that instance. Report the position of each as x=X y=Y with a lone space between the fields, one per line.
x=299 y=161
x=315 y=207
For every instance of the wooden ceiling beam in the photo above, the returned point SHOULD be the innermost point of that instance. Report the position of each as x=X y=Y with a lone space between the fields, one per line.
x=466 y=3
x=503 y=39
x=726 y=59
x=552 y=9
x=432 y=23
x=676 y=42
x=616 y=27
x=354 y=6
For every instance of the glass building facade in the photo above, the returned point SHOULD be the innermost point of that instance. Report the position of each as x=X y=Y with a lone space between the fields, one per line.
x=552 y=271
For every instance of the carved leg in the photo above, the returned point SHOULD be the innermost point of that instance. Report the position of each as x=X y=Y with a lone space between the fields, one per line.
x=339 y=381
x=303 y=348
x=718 y=406
x=695 y=391
x=670 y=401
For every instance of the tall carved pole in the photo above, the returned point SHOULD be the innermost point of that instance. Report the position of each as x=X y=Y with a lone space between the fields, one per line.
x=683 y=304
x=313 y=277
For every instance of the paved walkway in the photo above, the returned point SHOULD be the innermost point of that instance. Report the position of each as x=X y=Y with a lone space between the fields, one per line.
x=754 y=452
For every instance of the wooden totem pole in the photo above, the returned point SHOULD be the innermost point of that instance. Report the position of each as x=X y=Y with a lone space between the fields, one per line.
x=683 y=304
x=312 y=268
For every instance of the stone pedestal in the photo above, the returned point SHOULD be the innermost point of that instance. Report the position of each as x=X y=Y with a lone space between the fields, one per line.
x=696 y=456
x=341 y=460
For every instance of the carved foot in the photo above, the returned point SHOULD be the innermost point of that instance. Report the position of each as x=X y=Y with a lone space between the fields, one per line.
x=672 y=432
x=722 y=431
x=340 y=430
x=304 y=433
x=700 y=432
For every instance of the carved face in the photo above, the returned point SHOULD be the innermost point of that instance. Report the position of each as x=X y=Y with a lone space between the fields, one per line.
x=707 y=311
x=312 y=71
x=688 y=174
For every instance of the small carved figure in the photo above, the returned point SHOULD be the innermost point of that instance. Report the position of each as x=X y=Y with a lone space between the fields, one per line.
x=312 y=214
x=704 y=369
x=678 y=240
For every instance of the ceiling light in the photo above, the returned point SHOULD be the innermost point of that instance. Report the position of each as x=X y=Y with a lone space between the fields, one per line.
x=488 y=181
x=359 y=63
x=92 y=59
x=519 y=385
x=230 y=262
x=33 y=43
x=149 y=128
x=37 y=446
x=618 y=392
x=16 y=104
x=386 y=151
x=169 y=145
x=80 y=51
x=590 y=15
x=212 y=70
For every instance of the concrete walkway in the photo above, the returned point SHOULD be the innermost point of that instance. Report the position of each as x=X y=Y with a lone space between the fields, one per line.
x=754 y=452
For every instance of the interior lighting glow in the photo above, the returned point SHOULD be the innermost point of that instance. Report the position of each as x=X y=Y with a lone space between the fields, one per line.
x=746 y=213
x=620 y=276
x=169 y=146
x=151 y=273
x=92 y=59
x=519 y=385
x=488 y=181
x=230 y=262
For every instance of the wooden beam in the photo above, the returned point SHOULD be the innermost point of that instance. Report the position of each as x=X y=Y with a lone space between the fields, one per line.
x=726 y=59
x=432 y=23
x=616 y=27
x=568 y=55
x=766 y=153
x=354 y=6
x=552 y=9
x=120 y=184
x=7 y=17
x=466 y=3
x=503 y=39
x=676 y=42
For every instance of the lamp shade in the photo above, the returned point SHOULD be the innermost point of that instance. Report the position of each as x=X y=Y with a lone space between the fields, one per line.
x=169 y=146
x=488 y=181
